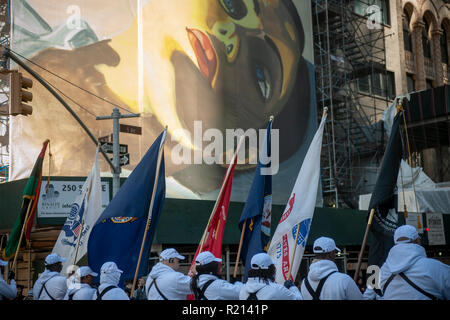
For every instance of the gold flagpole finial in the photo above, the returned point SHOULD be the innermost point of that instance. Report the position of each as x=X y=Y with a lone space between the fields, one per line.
x=399 y=104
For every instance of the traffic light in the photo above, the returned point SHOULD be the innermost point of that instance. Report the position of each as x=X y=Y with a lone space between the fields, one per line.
x=18 y=85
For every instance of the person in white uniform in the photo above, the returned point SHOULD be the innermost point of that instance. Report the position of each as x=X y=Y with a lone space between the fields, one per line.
x=324 y=281
x=51 y=285
x=408 y=274
x=164 y=281
x=109 y=279
x=82 y=288
x=261 y=283
x=207 y=284
x=7 y=291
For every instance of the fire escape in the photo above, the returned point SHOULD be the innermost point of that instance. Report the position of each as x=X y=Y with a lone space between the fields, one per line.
x=4 y=118
x=348 y=47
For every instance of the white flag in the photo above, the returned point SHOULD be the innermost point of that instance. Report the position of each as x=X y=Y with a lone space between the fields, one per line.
x=83 y=215
x=298 y=211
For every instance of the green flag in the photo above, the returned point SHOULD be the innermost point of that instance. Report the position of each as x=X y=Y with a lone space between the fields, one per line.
x=383 y=198
x=25 y=219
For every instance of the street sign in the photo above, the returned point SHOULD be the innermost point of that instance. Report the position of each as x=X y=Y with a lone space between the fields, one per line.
x=106 y=138
x=130 y=129
x=124 y=159
x=108 y=147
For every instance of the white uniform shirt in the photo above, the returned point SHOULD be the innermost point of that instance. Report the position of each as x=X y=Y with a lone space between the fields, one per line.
x=8 y=291
x=430 y=275
x=338 y=286
x=219 y=289
x=55 y=284
x=268 y=291
x=110 y=279
x=84 y=292
x=173 y=284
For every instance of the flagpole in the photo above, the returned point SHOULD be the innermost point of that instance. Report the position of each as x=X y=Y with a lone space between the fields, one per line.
x=149 y=218
x=221 y=191
x=405 y=211
x=220 y=195
x=78 y=243
x=239 y=249
x=400 y=107
x=324 y=114
x=293 y=253
x=82 y=221
x=363 y=246
x=22 y=232
x=29 y=267
x=25 y=222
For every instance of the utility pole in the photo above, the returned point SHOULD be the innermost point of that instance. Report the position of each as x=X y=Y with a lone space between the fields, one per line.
x=115 y=116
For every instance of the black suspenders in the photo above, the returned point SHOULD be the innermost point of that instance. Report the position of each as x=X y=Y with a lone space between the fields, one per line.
x=200 y=294
x=316 y=294
x=46 y=291
x=412 y=284
x=157 y=289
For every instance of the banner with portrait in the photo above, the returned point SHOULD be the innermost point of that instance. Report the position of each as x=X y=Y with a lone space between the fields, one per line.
x=204 y=68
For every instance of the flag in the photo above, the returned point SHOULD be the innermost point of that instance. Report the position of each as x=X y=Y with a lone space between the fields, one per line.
x=28 y=208
x=83 y=215
x=119 y=232
x=214 y=230
x=383 y=200
x=258 y=209
x=298 y=213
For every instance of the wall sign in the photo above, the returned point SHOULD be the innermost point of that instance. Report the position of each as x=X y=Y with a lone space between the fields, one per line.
x=61 y=195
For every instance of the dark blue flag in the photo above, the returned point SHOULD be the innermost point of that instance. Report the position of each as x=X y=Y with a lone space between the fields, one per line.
x=117 y=236
x=258 y=208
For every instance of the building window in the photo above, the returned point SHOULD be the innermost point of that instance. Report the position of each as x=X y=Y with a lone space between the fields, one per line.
x=378 y=84
x=426 y=41
x=407 y=39
x=390 y=85
x=360 y=8
x=363 y=84
x=429 y=84
x=444 y=49
x=410 y=82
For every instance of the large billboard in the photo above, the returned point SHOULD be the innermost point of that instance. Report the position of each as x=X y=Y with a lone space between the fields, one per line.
x=204 y=68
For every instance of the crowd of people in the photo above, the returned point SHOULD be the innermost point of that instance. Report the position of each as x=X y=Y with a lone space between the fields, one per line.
x=407 y=274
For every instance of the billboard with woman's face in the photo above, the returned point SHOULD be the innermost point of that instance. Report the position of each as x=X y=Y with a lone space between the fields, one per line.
x=200 y=67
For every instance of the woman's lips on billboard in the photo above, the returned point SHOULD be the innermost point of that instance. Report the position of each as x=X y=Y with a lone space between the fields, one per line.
x=204 y=51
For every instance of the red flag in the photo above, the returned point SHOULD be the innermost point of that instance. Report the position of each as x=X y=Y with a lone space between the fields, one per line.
x=216 y=227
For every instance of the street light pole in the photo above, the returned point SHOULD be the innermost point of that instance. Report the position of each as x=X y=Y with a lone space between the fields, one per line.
x=115 y=116
x=116 y=160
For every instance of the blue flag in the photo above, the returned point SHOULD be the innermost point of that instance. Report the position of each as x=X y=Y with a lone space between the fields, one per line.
x=258 y=208
x=117 y=236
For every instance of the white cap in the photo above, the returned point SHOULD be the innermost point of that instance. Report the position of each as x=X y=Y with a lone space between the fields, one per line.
x=205 y=257
x=110 y=267
x=3 y=263
x=405 y=231
x=86 y=271
x=170 y=254
x=325 y=244
x=261 y=261
x=54 y=258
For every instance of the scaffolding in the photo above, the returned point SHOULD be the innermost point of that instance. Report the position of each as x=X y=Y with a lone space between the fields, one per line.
x=4 y=96
x=348 y=48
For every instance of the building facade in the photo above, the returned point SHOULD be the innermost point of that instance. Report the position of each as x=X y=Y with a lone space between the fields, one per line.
x=418 y=55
